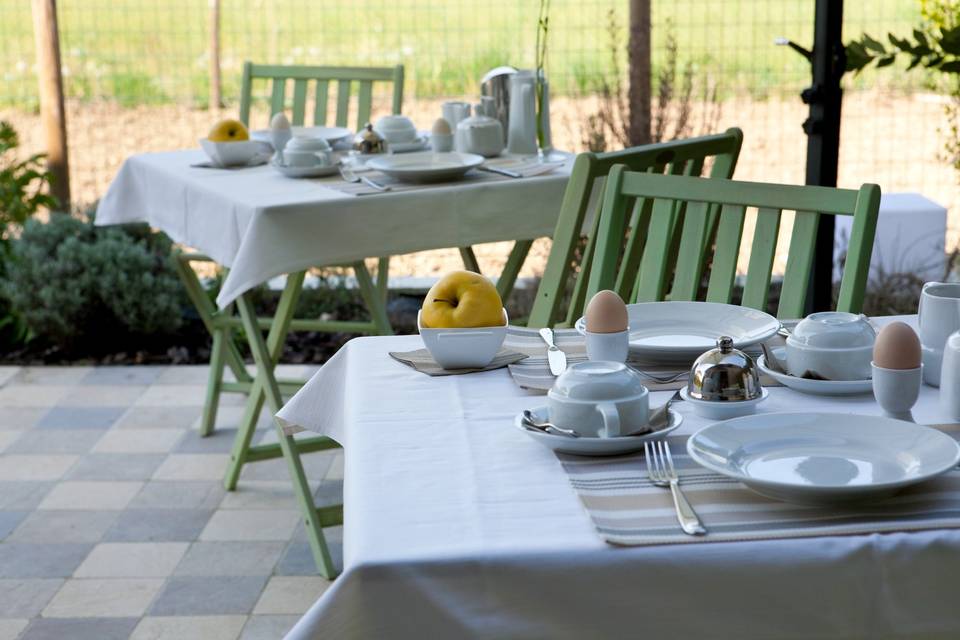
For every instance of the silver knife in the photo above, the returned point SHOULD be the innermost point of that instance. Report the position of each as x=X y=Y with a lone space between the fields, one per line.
x=556 y=358
x=501 y=171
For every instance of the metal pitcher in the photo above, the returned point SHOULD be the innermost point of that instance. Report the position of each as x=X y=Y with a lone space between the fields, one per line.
x=496 y=85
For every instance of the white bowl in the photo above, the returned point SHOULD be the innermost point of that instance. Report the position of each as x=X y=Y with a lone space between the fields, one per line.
x=456 y=348
x=720 y=410
x=229 y=154
x=396 y=128
x=833 y=344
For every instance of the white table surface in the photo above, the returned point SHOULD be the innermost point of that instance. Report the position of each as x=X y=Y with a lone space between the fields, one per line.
x=457 y=525
x=261 y=224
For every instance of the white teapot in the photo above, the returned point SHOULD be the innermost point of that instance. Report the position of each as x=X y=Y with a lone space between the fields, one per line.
x=480 y=134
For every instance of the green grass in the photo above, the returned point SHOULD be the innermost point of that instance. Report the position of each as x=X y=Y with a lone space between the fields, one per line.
x=148 y=51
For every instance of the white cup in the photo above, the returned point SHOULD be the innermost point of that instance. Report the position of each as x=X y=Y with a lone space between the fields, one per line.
x=455 y=111
x=302 y=151
x=896 y=390
x=937 y=317
x=950 y=377
x=599 y=400
x=833 y=344
x=608 y=346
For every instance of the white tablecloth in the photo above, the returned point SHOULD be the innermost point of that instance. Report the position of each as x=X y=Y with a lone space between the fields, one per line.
x=457 y=525
x=261 y=224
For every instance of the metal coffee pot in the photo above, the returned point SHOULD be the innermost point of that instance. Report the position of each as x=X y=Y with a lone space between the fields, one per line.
x=496 y=86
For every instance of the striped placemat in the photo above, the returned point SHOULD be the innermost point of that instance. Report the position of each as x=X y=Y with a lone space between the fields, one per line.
x=627 y=509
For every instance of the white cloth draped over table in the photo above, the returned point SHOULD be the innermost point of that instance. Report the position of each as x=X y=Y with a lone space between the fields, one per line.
x=261 y=224
x=457 y=525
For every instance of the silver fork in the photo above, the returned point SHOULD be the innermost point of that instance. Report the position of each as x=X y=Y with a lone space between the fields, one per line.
x=348 y=175
x=663 y=474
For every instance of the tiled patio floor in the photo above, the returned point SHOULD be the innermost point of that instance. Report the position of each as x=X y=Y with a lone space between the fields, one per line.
x=114 y=522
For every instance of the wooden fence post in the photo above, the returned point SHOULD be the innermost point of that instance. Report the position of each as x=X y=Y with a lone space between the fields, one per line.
x=52 y=115
x=216 y=95
x=638 y=56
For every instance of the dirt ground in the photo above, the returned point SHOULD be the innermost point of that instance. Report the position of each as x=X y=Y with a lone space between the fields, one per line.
x=892 y=140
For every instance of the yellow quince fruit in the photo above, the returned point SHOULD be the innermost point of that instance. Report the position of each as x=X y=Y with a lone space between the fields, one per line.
x=228 y=131
x=462 y=299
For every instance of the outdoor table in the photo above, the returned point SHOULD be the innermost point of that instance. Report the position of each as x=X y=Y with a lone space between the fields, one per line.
x=260 y=224
x=456 y=524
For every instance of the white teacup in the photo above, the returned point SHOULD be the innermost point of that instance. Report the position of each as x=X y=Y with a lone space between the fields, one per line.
x=454 y=111
x=832 y=344
x=303 y=151
x=599 y=399
x=937 y=317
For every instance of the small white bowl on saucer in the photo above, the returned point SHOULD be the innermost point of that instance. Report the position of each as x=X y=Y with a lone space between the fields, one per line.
x=466 y=348
x=396 y=129
x=232 y=154
x=833 y=344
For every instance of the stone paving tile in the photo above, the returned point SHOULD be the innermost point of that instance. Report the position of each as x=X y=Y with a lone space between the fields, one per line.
x=220 y=441
x=176 y=395
x=9 y=521
x=80 y=629
x=297 y=558
x=116 y=466
x=139 y=441
x=64 y=526
x=132 y=560
x=10 y=628
x=139 y=375
x=193 y=466
x=52 y=375
x=7 y=438
x=268 y=627
x=80 y=417
x=228 y=417
x=102 y=395
x=26 y=598
x=251 y=525
x=214 y=595
x=179 y=495
x=26 y=467
x=158 y=525
x=103 y=598
x=16 y=496
x=18 y=560
x=291 y=595
x=315 y=465
x=263 y=494
x=8 y=373
x=32 y=395
x=90 y=494
x=230 y=559
x=330 y=492
x=55 y=440
x=16 y=418
x=158 y=418
x=189 y=628
x=182 y=374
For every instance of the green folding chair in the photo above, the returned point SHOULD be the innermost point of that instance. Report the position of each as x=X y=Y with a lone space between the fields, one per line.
x=679 y=157
x=712 y=226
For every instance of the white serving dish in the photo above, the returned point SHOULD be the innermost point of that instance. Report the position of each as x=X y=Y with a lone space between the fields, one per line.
x=331 y=134
x=318 y=171
x=833 y=344
x=425 y=166
x=681 y=331
x=815 y=387
x=456 y=348
x=823 y=458
x=587 y=446
x=723 y=410
x=231 y=154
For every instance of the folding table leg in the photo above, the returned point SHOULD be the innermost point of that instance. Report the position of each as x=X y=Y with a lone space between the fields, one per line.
x=214 y=382
x=266 y=386
x=376 y=303
x=469 y=259
x=508 y=277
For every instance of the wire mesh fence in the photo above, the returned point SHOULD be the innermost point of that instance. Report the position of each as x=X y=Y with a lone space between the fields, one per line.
x=136 y=72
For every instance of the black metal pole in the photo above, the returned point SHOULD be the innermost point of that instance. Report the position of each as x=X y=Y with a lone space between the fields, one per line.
x=823 y=137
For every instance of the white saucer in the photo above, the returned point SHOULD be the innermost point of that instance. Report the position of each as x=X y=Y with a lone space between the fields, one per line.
x=817 y=387
x=723 y=410
x=418 y=144
x=585 y=446
x=306 y=172
x=823 y=458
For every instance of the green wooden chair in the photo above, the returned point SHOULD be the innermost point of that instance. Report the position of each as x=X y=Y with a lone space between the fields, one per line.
x=712 y=226
x=680 y=157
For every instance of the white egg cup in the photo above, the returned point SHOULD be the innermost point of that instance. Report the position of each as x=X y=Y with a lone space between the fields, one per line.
x=611 y=347
x=441 y=142
x=896 y=390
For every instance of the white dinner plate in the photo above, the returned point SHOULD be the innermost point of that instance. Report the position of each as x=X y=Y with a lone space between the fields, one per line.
x=585 y=446
x=305 y=172
x=681 y=331
x=425 y=166
x=331 y=134
x=815 y=387
x=823 y=458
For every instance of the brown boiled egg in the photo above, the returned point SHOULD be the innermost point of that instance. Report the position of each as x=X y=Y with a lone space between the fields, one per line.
x=897 y=347
x=441 y=127
x=606 y=313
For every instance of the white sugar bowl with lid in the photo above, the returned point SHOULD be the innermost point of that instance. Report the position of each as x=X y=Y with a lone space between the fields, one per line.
x=832 y=345
x=599 y=399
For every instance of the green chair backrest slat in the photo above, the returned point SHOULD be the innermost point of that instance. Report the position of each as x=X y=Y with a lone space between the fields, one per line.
x=322 y=77
x=587 y=180
x=714 y=218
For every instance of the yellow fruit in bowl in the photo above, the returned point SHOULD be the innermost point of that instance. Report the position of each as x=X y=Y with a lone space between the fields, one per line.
x=462 y=299
x=228 y=131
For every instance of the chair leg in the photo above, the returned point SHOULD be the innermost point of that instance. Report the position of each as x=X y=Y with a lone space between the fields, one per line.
x=214 y=383
x=469 y=259
x=372 y=297
x=383 y=278
x=508 y=277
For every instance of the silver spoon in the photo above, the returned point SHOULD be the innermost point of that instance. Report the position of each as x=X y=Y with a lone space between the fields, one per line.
x=547 y=427
x=659 y=417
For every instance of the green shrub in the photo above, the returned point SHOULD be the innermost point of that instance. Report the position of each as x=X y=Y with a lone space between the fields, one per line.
x=71 y=281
